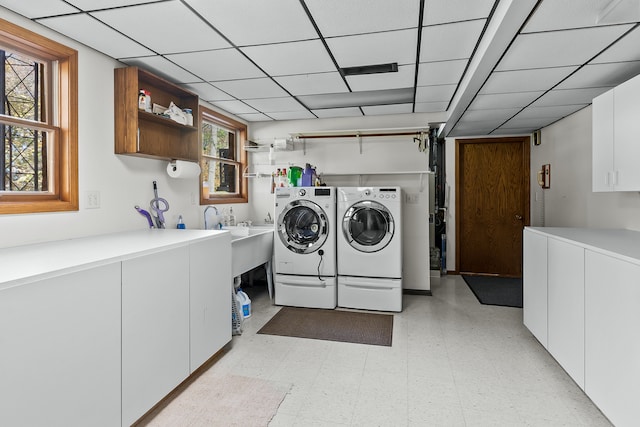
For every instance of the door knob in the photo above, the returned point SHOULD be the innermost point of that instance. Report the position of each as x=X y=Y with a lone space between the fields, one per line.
x=519 y=217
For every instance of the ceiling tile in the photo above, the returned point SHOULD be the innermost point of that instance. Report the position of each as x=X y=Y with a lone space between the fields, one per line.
x=558 y=48
x=548 y=112
x=235 y=107
x=430 y=107
x=339 y=17
x=95 y=34
x=441 y=72
x=165 y=35
x=569 y=97
x=497 y=115
x=311 y=84
x=377 y=110
x=504 y=100
x=272 y=21
x=208 y=92
x=375 y=48
x=450 y=41
x=236 y=66
x=38 y=8
x=467 y=129
x=601 y=75
x=403 y=78
x=291 y=58
x=625 y=49
x=292 y=115
x=252 y=88
x=104 y=4
x=528 y=123
x=565 y=14
x=254 y=117
x=338 y=112
x=160 y=66
x=443 y=11
x=275 y=105
x=442 y=93
x=514 y=131
x=525 y=80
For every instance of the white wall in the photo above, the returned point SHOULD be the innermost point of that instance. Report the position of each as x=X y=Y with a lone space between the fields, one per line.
x=566 y=145
x=122 y=181
x=342 y=156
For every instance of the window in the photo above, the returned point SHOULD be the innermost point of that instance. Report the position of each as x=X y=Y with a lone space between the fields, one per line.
x=38 y=123
x=223 y=159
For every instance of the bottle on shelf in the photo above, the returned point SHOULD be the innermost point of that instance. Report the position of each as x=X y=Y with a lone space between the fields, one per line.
x=273 y=183
x=283 y=178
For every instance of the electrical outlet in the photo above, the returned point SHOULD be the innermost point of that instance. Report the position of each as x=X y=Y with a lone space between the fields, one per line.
x=411 y=198
x=93 y=199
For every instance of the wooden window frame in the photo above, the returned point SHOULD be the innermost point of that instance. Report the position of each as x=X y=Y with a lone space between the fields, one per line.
x=242 y=196
x=62 y=124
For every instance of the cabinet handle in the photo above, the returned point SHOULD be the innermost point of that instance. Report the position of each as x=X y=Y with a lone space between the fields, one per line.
x=519 y=217
x=615 y=178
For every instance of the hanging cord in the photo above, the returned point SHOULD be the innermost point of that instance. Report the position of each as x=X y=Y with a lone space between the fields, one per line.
x=321 y=253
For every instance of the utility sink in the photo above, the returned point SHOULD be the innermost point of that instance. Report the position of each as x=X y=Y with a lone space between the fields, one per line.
x=250 y=247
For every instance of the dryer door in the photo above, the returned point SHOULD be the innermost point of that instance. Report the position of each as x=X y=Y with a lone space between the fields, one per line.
x=368 y=226
x=303 y=226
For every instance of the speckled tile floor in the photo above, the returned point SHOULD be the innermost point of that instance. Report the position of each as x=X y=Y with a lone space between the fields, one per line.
x=453 y=362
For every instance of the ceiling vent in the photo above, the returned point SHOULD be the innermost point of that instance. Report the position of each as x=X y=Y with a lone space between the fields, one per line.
x=370 y=69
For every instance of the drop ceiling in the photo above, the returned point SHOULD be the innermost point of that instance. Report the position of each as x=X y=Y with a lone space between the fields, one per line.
x=492 y=67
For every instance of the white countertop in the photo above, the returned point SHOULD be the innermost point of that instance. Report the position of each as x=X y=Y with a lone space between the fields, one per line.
x=619 y=243
x=22 y=264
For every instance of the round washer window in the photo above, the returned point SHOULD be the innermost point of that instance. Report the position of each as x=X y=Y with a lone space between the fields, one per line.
x=303 y=226
x=368 y=226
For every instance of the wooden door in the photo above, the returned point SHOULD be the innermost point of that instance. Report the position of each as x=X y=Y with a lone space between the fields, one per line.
x=492 y=204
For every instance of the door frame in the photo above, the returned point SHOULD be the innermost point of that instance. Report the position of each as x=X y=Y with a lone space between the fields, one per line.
x=526 y=181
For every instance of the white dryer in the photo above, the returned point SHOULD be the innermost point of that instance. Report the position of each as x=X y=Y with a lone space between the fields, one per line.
x=305 y=247
x=369 y=247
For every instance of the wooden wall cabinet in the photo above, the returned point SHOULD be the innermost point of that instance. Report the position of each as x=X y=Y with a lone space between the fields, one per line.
x=145 y=134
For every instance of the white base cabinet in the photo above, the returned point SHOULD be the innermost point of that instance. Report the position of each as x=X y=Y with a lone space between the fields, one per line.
x=106 y=326
x=155 y=329
x=592 y=310
x=211 y=287
x=612 y=347
x=60 y=350
x=534 y=284
x=565 y=263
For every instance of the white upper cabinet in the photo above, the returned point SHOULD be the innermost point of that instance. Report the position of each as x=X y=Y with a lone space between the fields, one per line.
x=616 y=134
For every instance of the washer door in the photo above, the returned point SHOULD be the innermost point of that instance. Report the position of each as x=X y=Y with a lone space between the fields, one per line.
x=368 y=226
x=303 y=227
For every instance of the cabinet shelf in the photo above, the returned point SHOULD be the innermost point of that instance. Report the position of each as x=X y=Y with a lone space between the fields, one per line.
x=143 y=134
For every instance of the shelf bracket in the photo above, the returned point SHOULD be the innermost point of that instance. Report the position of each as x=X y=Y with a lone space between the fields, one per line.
x=359 y=141
x=304 y=146
x=422 y=182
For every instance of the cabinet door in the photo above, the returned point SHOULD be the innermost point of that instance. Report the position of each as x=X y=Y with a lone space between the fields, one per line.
x=602 y=142
x=155 y=329
x=612 y=346
x=626 y=110
x=566 y=307
x=210 y=296
x=535 y=285
x=60 y=350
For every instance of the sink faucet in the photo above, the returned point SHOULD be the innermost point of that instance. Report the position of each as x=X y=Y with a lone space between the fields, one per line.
x=268 y=219
x=206 y=226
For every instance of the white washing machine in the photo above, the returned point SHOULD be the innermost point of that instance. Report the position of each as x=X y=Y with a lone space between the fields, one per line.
x=369 y=247
x=305 y=247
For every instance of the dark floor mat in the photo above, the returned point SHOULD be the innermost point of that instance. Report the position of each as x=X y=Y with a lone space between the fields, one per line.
x=492 y=290
x=331 y=325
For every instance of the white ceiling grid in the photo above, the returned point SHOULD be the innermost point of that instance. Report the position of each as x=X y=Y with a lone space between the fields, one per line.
x=282 y=59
